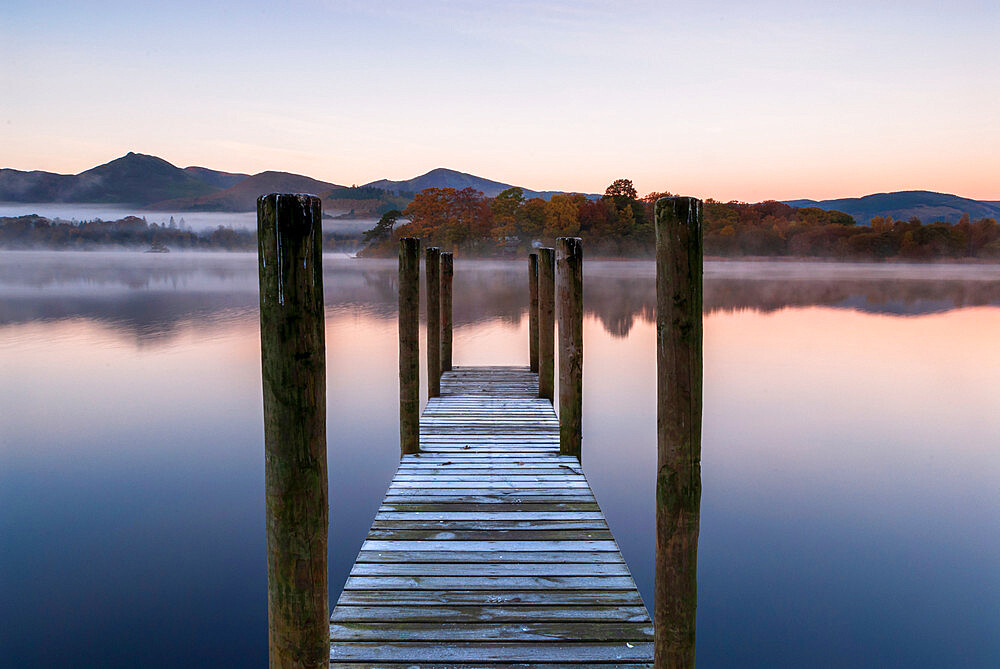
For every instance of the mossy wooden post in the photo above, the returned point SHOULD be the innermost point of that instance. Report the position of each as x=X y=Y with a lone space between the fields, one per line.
x=569 y=283
x=409 y=345
x=293 y=371
x=678 y=427
x=433 y=275
x=447 y=273
x=546 y=322
x=533 y=311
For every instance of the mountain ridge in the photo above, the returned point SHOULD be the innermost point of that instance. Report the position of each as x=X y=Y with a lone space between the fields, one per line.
x=243 y=195
x=151 y=182
x=926 y=205
x=443 y=177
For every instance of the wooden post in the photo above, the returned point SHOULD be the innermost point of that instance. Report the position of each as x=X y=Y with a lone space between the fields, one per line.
x=409 y=345
x=569 y=281
x=546 y=322
x=533 y=311
x=433 y=276
x=293 y=372
x=447 y=273
x=678 y=427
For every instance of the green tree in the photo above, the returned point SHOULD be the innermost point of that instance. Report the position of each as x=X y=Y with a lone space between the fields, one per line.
x=383 y=229
x=506 y=206
x=621 y=191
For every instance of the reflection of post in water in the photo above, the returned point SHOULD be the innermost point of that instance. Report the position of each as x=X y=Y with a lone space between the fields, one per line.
x=678 y=427
x=293 y=366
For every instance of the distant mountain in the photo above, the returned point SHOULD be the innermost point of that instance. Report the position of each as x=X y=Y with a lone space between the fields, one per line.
x=928 y=206
x=134 y=178
x=34 y=186
x=216 y=178
x=243 y=195
x=445 y=178
x=151 y=182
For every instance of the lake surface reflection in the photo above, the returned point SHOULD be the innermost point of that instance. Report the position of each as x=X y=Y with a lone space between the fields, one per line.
x=851 y=467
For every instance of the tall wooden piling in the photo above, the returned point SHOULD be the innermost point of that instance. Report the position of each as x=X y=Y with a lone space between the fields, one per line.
x=678 y=427
x=546 y=322
x=447 y=274
x=433 y=276
x=533 y=311
x=409 y=345
x=293 y=371
x=569 y=282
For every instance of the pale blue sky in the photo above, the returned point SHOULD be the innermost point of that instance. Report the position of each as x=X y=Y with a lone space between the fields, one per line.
x=732 y=100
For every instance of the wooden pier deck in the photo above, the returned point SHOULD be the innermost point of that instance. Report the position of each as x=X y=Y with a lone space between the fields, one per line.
x=490 y=548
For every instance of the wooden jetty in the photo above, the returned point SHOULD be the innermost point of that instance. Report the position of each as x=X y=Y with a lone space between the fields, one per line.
x=490 y=546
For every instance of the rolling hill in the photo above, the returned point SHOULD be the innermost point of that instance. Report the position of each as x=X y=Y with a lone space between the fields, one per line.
x=243 y=195
x=445 y=178
x=216 y=178
x=928 y=206
x=153 y=183
x=134 y=179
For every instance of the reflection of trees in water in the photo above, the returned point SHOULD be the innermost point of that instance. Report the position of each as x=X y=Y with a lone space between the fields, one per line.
x=152 y=299
x=618 y=302
x=910 y=297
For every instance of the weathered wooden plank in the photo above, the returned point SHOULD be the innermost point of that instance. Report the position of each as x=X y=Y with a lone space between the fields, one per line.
x=419 y=556
x=482 y=483
x=556 y=507
x=499 y=460
x=460 y=516
x=577 y=600
x=438 y=614
x=475 y=471
x=534 y=536
x=381 y=651
x=517 y=546
x=488 y=583
x=505 y=665
x=488 y=499
x=489 y=525
x=491 y=631
x=489 y=569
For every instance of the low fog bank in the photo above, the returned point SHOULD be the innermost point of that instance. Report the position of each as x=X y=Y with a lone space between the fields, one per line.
x=148 y=295
x=195 y=221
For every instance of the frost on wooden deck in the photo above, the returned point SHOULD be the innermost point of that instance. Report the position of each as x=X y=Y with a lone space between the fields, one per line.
x=489 y=547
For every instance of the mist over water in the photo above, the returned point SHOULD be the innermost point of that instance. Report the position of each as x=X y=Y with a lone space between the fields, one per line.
x=850 y=454
x=198 y=221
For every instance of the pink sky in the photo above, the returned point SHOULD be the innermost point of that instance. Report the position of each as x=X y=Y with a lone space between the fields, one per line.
x=731 y=101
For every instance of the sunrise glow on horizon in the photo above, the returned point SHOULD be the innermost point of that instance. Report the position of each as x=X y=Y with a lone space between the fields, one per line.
x=774 y=100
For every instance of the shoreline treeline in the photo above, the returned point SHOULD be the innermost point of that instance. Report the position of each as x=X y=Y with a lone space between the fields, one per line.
x=32 y=231
x=621 y=224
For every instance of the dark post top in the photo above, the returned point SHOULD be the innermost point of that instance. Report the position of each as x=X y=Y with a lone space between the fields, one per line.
x=293 y=374
x=678 y=427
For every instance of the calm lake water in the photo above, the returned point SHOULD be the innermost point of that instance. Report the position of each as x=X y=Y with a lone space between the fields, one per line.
x=851 y=454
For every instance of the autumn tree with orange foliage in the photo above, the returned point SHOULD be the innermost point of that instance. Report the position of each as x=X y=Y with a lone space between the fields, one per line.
x=448 y=218
x=621 y=224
